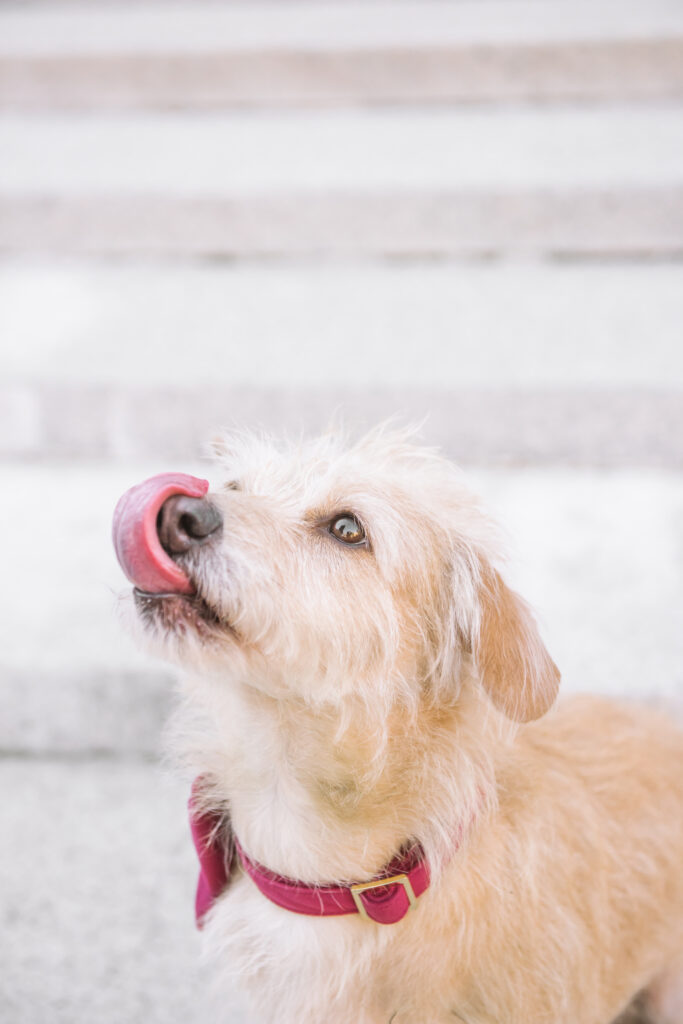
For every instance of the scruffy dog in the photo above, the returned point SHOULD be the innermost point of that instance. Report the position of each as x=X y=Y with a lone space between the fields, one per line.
x=368 y=702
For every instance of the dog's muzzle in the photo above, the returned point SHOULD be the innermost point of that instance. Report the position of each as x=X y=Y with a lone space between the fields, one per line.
x=160 y=520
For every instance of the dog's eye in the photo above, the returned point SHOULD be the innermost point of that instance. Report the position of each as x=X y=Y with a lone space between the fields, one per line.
x=348 y=529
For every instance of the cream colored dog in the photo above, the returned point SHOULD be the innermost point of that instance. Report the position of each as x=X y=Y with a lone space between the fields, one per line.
x=360 y=677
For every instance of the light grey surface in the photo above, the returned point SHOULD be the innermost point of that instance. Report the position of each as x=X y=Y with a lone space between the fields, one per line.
x=609 y=71
x=425 y=150
x=610 y=222
x=428 y=182
x=512 y=363
x=600 y=557
x=208 y=56
x=97 y=876
x=537 y=427
x=67 y=28
x=422 y=326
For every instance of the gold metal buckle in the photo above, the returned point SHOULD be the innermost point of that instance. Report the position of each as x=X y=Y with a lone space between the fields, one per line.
x=360 y=887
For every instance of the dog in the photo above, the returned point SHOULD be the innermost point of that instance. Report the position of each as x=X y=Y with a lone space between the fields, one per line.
x=396 y=821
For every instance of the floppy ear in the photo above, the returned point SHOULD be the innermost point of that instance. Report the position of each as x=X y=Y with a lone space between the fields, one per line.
x=514 y=667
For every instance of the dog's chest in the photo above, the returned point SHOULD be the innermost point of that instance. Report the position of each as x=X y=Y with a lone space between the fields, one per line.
x=335 y=970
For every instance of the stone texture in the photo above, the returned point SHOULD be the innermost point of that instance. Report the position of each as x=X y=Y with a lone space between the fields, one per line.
x=97 y=875
x=56 y=27
x=207 y=56
x=432 y=183
x=387 y=152
x=93 y=711
x=583 y=71
x=618 y=222
x=453 y=325
x=609 y=428
x=512 y=363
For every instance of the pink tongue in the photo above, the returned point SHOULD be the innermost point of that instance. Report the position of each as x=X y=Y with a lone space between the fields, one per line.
x=136 y=541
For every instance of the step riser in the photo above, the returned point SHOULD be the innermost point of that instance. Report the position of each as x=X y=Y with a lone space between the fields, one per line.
x=526 y=427
x=589 y=222
x=651 y=69
x=96 y=713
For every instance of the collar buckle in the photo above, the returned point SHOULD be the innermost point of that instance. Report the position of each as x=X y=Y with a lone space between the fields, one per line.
x=380 y=883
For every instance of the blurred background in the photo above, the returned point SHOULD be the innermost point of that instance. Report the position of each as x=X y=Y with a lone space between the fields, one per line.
x=272 y=214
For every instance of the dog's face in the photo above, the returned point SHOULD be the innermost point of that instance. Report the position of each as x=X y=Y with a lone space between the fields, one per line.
x=363 y=570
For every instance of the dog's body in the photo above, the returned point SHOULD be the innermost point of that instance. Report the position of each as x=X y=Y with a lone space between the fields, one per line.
x=564 y=899
x=360 y=677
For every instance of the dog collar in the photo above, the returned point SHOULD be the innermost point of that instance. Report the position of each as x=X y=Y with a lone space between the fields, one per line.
x=386 y=899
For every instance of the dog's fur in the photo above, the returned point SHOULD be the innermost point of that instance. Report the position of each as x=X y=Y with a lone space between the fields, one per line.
x=341 y=701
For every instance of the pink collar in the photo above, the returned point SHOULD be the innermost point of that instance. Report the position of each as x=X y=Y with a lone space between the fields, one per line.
x=386 y=899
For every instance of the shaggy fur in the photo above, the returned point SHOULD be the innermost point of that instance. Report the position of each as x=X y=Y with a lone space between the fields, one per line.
x=343 y=700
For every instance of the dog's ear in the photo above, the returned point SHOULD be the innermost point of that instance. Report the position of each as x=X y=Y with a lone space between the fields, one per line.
x=512 y=662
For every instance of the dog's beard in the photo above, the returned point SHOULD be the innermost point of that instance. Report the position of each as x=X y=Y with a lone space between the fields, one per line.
x=180 y=623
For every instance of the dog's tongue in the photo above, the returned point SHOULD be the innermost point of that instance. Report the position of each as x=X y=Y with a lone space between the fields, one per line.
x=136 y=541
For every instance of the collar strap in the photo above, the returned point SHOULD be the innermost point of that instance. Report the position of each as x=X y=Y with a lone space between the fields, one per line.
x=386 y=899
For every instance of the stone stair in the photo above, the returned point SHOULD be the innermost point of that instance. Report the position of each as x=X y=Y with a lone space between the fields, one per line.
x=208 y=56
x=548 y=181
x=513 y=364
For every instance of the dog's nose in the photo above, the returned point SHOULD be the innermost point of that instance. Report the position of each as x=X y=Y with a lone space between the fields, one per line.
x=184 y=522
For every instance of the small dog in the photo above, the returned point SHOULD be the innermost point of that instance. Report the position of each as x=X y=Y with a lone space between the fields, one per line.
x=395 y=823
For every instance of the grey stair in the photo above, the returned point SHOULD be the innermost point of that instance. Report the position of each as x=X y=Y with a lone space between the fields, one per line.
x=600 y=428
x=209 y=56
x=437 y=183
x=513 y=364
x=97 y=876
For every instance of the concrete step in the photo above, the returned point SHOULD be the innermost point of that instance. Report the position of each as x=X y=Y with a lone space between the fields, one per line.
x=208 y=56
x=398 y=183
x=599 y=555
x=97 y=875
x=512 y=363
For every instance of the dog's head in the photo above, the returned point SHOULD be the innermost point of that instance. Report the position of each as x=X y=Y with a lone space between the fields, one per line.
x=322 y=569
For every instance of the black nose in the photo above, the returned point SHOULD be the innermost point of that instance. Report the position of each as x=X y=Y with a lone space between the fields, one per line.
x=184 y=522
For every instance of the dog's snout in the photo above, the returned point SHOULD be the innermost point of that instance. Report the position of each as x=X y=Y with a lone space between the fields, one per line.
x=184 y=522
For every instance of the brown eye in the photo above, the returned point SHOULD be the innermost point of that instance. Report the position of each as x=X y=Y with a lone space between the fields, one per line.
x=347 y=529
